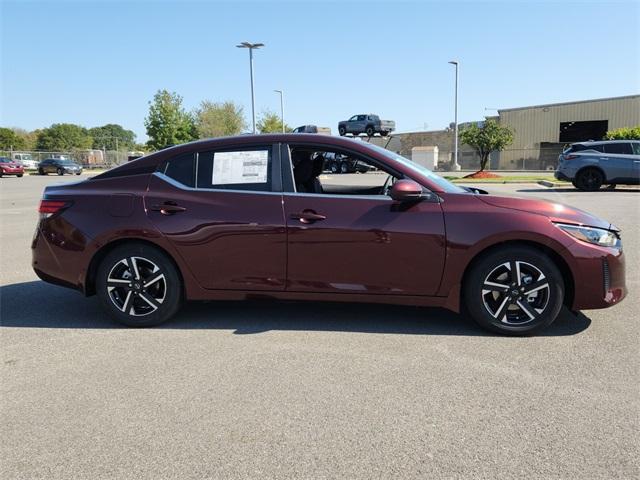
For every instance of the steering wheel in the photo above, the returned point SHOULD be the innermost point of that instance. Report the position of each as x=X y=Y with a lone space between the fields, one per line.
x=388 y=183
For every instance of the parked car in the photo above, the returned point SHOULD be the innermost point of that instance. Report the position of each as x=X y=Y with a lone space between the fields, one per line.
x=248 y=217
x=312 y=129
x=26 y=160
x=338 y=163
x=9 y=167
x=589 y=165
x=54 y=165
x=366 y=123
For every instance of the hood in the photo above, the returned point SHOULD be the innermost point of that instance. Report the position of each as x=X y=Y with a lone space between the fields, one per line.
x=556 y=212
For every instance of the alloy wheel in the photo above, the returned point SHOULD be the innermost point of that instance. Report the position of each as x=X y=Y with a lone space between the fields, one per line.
x=136 y=286
x=515 y=293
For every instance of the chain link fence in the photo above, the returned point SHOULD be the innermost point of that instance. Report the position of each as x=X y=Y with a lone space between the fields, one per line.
x=89 y=159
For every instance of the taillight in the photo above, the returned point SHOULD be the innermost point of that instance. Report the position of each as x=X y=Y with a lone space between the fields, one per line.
x=570 y=157
x=49 y=207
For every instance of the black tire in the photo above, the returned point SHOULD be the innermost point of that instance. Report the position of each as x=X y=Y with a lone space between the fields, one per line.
x=369 y=131
x=589 y=180
x=0 y=174
x=19 y=175
x=344 y=167
x=41 y=171
x=77 y=173
x=523 y=315
x=342 y=131
x=384 y=133
x=60 y=171
x=165 y=293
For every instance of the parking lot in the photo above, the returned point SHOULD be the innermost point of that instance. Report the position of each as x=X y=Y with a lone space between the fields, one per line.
x=300 y=390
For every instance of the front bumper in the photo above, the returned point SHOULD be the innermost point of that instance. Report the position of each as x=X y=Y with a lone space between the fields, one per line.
x=13 y=171
x=599 y=275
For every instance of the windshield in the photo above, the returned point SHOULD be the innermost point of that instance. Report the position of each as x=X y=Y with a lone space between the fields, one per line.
x=66 y=162
x=443 y=183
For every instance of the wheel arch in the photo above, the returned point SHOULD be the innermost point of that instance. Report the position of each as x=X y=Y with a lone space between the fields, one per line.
x=560 y=262
x=104 y=250
x=592 y=166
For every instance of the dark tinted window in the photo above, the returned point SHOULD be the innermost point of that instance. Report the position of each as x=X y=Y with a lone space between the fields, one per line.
x=624 y=148
x=636 y=148
x=181 y=169
x=245 y=169
x=580 y=147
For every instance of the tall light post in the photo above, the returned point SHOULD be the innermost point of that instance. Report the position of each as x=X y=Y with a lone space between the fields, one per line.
x=281 y=107
x=456 y=165
x=251 y=47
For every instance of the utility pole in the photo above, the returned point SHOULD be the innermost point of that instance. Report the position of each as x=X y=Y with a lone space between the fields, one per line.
x=251 y=47
x=456 y=165
x=281 y=107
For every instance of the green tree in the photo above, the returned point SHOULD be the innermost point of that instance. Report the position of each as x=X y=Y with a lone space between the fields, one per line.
x=29 y=139
x=270 y=122
x=63 y=137
x=490 y=137
x=625 y=133
x=219 y=119
x=9 y=140
x=111 y=135
x=168 y=123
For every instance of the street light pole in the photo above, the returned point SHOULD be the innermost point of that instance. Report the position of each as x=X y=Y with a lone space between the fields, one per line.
x=456 y=165
x=281 y=107
x=251 y=47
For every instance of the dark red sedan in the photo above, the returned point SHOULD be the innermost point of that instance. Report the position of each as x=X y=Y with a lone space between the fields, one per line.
x=254 y=217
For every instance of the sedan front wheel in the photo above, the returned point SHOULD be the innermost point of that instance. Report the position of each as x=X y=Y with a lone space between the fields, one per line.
x=514 y=291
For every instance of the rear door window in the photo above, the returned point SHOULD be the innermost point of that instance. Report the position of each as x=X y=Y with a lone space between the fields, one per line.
x=636 y=148
x=239 y=169
x=622 y=148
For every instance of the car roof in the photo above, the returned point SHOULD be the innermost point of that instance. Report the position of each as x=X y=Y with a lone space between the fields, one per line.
x=601 y=142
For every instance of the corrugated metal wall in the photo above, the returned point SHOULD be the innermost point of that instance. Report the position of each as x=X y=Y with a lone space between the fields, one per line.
x=533 y=125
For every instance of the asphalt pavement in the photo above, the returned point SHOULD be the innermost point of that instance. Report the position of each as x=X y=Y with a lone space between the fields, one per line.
x=310 y=390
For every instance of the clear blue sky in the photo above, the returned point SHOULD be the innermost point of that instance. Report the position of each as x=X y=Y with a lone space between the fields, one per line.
x=101 y=62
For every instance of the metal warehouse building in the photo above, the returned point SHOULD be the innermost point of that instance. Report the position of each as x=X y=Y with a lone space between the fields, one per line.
x=542 y=130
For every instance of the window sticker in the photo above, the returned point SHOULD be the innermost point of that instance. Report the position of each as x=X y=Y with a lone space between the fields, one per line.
x=240 y=167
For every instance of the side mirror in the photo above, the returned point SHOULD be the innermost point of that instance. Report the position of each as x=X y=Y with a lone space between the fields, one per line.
x=406 y=191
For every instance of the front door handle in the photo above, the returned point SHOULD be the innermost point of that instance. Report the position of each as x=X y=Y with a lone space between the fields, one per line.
x=307 y=216
x=168 y=208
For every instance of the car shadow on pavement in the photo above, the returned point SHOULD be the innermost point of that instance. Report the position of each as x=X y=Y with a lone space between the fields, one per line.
x=41 y=305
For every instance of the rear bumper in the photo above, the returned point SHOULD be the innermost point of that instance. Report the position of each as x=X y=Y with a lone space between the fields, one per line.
x=12 y=171
x=599 y=275
x=58 y=252
x=561 y=176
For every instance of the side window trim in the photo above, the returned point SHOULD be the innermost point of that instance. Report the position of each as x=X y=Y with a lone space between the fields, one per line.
x=288 y=183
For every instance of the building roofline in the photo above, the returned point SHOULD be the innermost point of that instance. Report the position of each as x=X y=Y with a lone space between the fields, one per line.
x=568 y=103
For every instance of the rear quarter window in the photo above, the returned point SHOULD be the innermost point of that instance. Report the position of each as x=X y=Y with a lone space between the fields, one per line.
x=181 y=169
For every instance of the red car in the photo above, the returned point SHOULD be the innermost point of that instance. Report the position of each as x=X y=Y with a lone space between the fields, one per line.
x=248 y=217
x=9 y=167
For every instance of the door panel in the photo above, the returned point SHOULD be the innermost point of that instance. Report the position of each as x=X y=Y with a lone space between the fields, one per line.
x=363 y=245
x=230 y=239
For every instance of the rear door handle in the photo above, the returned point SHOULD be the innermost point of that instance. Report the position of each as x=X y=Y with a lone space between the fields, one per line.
x=307 y=216
x=168 y=208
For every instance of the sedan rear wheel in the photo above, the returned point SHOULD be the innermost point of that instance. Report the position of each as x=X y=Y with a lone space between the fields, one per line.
x=60 y=171
x=589 y=179
x=139 y=286
x=514 y=291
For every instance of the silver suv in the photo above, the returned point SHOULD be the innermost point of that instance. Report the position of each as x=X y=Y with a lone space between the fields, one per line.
x=589 y=165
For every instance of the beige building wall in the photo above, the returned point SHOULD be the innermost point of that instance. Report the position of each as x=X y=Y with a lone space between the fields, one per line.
x=541 y=123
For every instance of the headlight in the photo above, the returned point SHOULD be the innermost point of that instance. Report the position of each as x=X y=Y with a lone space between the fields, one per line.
x=597 y=236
